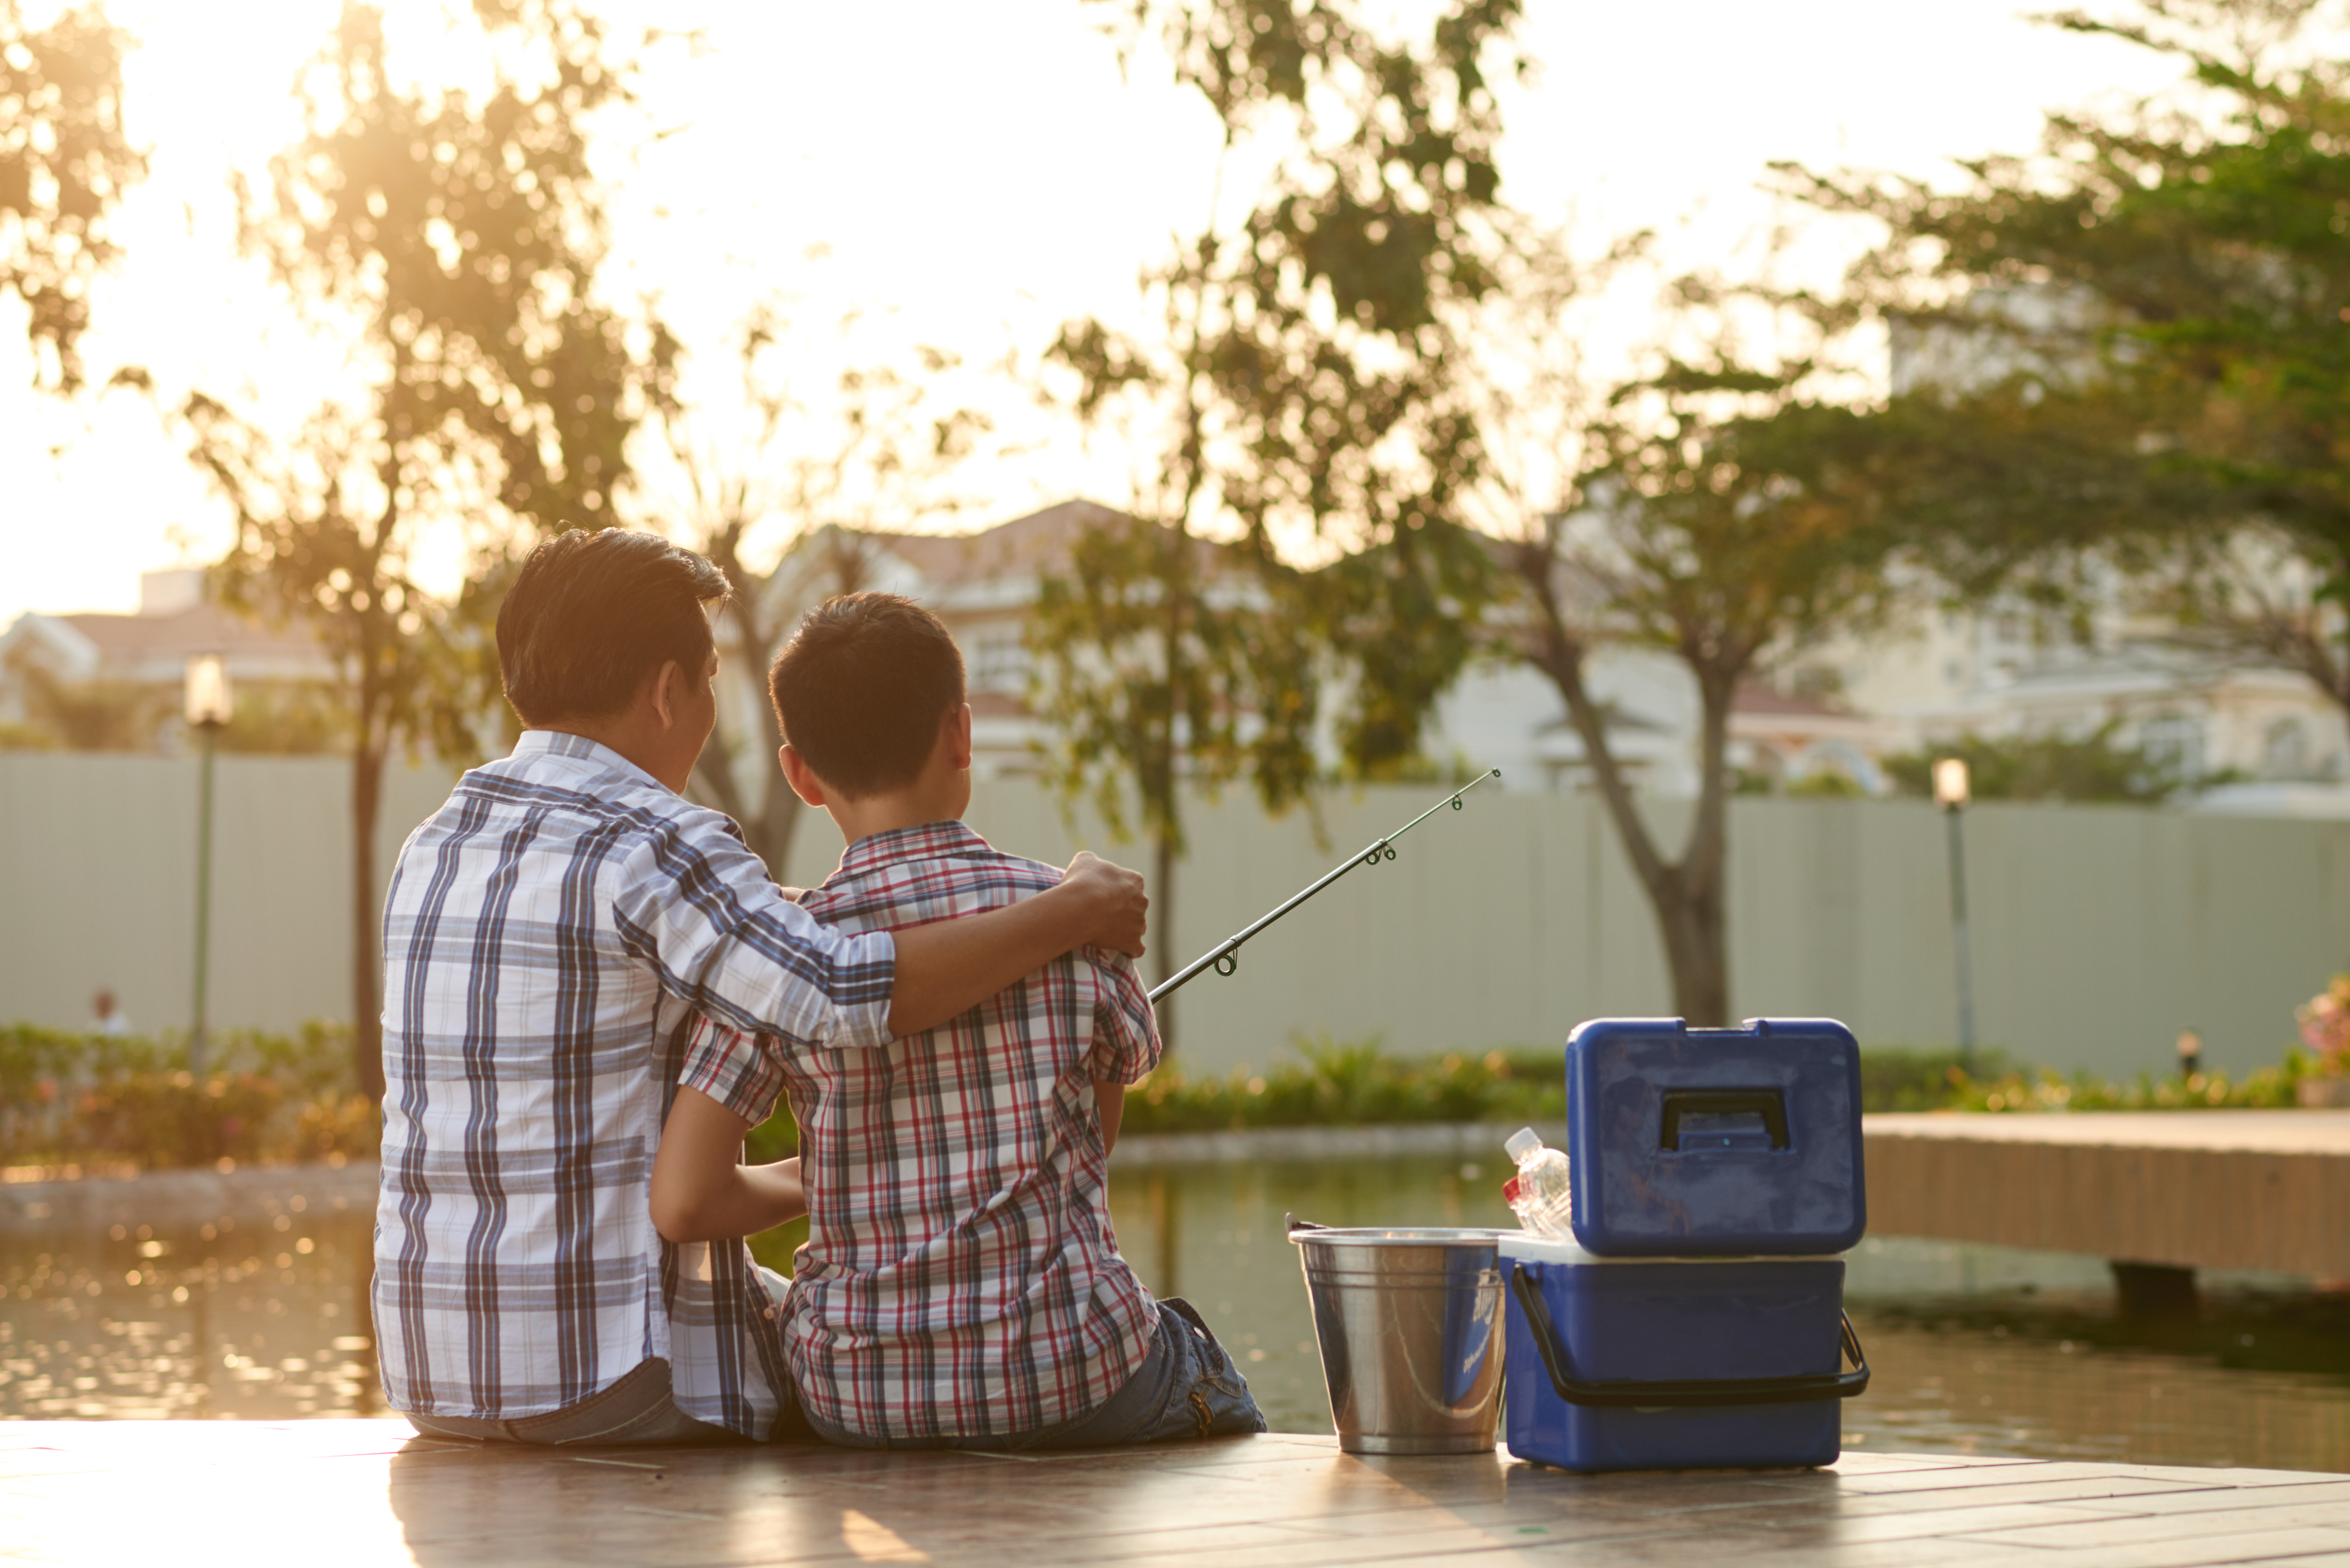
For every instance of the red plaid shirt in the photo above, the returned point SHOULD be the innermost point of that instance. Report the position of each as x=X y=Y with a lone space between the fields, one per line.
x=961 y=1278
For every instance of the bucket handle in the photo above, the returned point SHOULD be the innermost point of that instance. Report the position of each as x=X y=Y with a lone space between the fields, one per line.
x=1680 y=1392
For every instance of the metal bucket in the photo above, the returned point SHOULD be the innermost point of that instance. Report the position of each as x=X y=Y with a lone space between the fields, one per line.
x=1410 y=1323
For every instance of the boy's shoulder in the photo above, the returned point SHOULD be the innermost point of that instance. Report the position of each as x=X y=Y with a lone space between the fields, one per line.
x=928 y=873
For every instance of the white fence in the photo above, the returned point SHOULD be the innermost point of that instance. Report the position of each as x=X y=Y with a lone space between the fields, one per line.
x=2099 y=932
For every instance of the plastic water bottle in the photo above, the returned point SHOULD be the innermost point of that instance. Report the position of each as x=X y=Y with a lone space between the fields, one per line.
x=1538 y=1194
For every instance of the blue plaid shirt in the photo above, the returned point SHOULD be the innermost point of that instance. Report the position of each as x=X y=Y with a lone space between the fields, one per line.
x=549 y=936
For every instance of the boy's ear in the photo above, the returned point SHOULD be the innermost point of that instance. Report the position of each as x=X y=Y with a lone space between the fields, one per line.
x=958 y=735
x=799 y=775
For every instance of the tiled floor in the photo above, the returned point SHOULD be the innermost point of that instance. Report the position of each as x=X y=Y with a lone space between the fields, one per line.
x=357 y=1493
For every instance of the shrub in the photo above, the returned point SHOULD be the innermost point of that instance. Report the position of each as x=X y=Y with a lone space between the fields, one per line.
x=67 y=1097
x=1352 y=1082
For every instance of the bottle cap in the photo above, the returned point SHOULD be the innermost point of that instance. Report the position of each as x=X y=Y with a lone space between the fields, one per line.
x=1522 y=1143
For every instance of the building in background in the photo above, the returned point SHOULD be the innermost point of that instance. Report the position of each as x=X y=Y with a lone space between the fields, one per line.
x=983 y=584
x=113 y=682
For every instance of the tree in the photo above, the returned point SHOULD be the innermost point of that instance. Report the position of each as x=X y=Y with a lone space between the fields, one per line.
x=2152 y=312
x=1718 y=509
x=453 y=242
x=65 y=163
x=1297 y=408
x=2092 y=768
x=794 y=481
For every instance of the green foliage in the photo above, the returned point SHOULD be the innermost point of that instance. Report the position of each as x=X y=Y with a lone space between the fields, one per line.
x=777 y=1138
x=2153 y=306
x=453 y=243
x=95 y=715
x=2092 y=768
x=287 y=720
x=65 y=164
x=67 y=1097
x=1899 y=1078
x=1304 y=393
x=1893 y=1078
x=1826 y=783
x=2268 y=1089
x=1351 y=1084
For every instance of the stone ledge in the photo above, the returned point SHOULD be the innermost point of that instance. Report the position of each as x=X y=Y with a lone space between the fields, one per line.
x=185 y=1198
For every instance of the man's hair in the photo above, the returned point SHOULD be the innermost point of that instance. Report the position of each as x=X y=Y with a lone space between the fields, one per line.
x=861 y=689
x=593 y=615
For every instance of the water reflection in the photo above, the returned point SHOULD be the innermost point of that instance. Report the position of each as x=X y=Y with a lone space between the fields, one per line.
x=1978 y=1349
x=265 y=1319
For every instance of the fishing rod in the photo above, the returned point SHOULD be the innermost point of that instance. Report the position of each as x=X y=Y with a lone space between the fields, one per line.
x=1225 y=957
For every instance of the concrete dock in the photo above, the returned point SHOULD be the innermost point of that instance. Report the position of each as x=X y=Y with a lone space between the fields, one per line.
x=362 y=1493
x=2166 y=1189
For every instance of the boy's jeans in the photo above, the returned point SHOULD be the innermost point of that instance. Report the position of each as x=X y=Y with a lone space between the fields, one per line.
x=1186 y=1387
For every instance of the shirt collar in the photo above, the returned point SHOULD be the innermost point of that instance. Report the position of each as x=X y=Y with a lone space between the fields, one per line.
x=931 y=841
x=564 y=743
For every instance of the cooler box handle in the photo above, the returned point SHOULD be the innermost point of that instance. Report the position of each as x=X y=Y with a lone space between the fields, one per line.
x=1768 y=1108
x=1680 y=1392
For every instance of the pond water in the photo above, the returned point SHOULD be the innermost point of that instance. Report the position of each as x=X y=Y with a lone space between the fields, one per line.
x=1977 y=1349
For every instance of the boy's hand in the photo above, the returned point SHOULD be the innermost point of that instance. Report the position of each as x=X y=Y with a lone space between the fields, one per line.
x=1122 y=909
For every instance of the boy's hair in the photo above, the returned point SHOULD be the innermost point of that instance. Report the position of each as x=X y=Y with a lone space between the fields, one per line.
x=861 y=689
x=592 y=615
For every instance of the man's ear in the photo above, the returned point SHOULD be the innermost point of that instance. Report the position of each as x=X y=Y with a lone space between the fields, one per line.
x=957 y=729
x=667 y=687
x=799 y=775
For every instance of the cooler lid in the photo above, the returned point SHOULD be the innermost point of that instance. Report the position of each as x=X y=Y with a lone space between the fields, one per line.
x=1713 y=1142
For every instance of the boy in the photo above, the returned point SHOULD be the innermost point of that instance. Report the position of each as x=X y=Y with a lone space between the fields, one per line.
x=548 y=935
x=960 y=1287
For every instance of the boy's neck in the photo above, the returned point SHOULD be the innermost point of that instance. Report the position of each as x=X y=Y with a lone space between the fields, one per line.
x=929 y=800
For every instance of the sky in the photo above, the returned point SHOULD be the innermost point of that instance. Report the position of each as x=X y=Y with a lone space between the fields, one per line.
x=969 y=176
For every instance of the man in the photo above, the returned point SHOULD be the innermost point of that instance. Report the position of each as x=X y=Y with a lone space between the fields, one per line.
x=548 y=934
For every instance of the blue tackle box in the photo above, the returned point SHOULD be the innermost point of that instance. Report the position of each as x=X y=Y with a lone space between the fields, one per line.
x=1696 y=1318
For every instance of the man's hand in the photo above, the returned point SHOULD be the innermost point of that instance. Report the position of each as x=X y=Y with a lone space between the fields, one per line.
x=947 y=966
x=1122 y=907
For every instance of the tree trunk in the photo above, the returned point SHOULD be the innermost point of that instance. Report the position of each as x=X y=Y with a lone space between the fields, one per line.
x=1696 y=948
x=367 y=921
x=1685 y=895
x=1162 y=917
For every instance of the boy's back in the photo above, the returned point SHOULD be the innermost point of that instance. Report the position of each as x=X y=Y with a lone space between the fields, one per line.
x=960 y=1276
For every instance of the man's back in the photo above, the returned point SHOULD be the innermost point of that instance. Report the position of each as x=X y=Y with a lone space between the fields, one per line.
x=960 y=1276
x=548 y=934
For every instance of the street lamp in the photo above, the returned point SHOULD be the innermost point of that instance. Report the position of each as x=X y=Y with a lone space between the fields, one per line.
x=207 y=710
x=1950 y=791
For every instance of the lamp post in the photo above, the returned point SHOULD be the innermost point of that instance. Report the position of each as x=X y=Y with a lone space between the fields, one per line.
x=207 y=710
x=1951 y=794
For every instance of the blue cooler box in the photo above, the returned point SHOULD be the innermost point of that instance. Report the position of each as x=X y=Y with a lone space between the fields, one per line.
x=1618 y=1363
x=1696 y=1319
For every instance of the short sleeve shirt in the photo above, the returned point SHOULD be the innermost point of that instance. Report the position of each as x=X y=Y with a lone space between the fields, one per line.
x=960 y=1276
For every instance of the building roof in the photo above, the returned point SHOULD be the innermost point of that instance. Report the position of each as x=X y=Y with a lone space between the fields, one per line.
x=131 y=640
x=1025 y=546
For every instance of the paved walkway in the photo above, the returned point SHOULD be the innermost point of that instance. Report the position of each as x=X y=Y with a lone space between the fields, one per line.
x=361 y=1493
